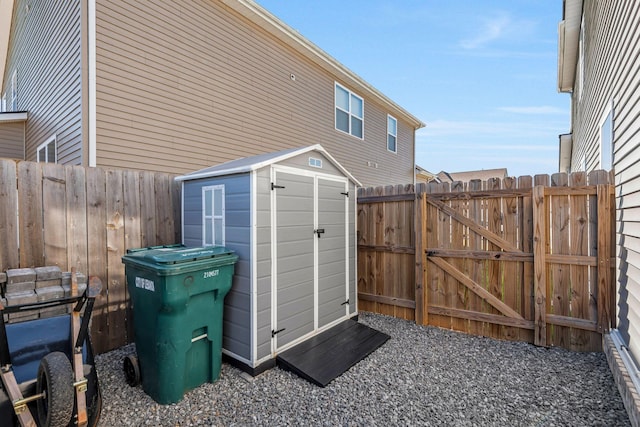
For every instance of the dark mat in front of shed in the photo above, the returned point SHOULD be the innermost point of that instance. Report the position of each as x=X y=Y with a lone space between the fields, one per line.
x=326 y=356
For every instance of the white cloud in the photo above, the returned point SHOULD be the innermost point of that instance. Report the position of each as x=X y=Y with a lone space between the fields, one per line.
x=544 y=109
x=491 y=30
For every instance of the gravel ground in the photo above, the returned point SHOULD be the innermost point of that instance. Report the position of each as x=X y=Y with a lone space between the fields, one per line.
x=421 y=376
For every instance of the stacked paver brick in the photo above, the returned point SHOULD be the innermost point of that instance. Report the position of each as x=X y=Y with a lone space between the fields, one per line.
x=30 y=285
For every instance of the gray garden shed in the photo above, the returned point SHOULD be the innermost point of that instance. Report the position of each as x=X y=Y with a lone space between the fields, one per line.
x=290 y=216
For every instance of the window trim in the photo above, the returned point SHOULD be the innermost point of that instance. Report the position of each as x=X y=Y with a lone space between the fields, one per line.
x=213 y=216
x=52 y=139
x=390 y=117
x=336 y=107
x=14 y=91
x=608 y=112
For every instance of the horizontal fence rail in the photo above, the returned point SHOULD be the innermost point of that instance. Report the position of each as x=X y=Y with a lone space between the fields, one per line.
x=528 y=258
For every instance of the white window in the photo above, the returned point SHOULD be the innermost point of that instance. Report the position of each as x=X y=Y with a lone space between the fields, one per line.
x=349 y=112
x=213 y=215
x=392 y=134
x=14 y=91
x=606 y=139
x=48 y=151
x=3 y=104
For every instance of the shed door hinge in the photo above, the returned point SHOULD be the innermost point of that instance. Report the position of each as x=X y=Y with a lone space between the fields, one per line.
x=345 y=194
x=274 y=333
x=345 y=303
x=274 y=186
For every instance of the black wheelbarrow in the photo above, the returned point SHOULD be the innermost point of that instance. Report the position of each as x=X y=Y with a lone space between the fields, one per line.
x=47 y=366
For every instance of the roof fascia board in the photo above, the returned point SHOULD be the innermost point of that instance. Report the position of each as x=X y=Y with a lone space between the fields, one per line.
x=270 y=23
x=21 y=116
x=271 y=161
x=568 y=44
x=6 y=15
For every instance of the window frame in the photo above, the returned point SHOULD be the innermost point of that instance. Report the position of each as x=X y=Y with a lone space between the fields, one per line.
x=349 y=113
x=608 y=115
x=51 y=140
x=395 y=136
x=213 y=217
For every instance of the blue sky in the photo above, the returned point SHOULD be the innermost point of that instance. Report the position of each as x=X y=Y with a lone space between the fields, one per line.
x=482 y=74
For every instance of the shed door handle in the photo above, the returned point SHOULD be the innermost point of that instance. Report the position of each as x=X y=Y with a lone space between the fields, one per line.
x=319 y=231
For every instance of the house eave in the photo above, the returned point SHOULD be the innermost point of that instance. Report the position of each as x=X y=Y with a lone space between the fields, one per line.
x=6 y=14
x=274 y=26
x=568 y=44
x=17 y=117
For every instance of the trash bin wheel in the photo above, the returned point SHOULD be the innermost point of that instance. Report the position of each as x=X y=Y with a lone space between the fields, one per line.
x=55 y=382
x=131 y=370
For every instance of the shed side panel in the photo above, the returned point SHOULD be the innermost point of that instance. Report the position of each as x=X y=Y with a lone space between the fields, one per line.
x=237 y=313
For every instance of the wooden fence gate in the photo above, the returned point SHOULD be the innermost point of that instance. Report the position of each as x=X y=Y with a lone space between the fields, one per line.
x=526 y=259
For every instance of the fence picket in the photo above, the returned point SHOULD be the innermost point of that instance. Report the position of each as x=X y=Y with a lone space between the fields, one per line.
x=54 y=201
x=9 y=255
x=559 y=285
x=30 y=214
x=76 y=194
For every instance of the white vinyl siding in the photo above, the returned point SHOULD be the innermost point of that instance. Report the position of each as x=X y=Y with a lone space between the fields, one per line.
x=608 y=59
x=48 y=151
x=145 y=103
x=44 y=64
x=213 y=215
x=392 y=134
x=349 y=112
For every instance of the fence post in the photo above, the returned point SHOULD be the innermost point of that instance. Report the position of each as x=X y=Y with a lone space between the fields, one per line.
x=604 y=258
x=420 y=228
x=539 y=266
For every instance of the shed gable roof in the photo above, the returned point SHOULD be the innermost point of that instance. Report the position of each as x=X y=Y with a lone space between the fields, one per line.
x=247 y=164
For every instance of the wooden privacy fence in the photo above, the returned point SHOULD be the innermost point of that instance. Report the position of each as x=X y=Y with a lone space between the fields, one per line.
x=527 y=259
x=72 y=216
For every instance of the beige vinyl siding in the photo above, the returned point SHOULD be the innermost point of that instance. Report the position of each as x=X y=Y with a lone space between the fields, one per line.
x=612 y=72
x=186 y=85
x=12 y=140
x=45 y=49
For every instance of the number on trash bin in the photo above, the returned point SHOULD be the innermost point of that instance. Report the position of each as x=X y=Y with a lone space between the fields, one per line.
x=212 y=273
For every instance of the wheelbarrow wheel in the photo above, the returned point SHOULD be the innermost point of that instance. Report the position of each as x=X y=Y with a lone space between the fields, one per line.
x=55 y=381
x=131 y=370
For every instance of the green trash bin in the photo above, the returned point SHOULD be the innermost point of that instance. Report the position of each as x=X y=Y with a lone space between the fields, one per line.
x=178 y=297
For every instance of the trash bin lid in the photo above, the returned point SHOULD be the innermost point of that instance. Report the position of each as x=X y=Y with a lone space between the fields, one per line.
x=176 y=254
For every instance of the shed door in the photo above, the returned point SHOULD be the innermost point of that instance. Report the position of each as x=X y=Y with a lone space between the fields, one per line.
x=332 y=255
x=294 y=220
x=311 y=283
